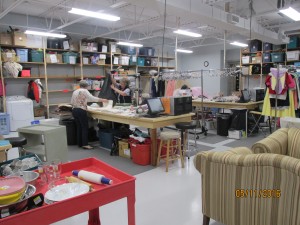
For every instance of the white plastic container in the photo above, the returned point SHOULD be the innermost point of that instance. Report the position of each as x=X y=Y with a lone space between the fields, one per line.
x=52 y=121
x=20 y=110
x=292 y=55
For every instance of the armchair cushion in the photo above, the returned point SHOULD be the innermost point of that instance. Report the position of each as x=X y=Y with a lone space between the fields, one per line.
x=294 y=142
x=239 y=187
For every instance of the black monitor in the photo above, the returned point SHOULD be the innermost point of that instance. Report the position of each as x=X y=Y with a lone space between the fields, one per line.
x=155 y=107
x=245 y=96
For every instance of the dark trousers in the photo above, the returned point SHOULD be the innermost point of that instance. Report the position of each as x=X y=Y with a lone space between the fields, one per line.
x=82 y=124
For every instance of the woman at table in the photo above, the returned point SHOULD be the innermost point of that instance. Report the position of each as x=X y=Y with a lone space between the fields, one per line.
x=79 y=101
x=122 y=89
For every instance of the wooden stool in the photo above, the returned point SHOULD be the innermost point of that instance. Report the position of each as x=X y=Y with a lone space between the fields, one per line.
x=166 y=139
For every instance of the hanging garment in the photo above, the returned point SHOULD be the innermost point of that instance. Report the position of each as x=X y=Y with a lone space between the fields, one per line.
x=40 y=86
x=170 y=88
x=153 y=88
x=161 y=88
x=33 y=91
x=106 y=91
x=12 y=68
x=288 y=111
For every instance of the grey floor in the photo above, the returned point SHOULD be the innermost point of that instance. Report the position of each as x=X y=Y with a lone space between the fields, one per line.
x=161 y=198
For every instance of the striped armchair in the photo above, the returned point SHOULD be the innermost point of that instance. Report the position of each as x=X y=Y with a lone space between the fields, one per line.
x=243 y=188
x=284 y=141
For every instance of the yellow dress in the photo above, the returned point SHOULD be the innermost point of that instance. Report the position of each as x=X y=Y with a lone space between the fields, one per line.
x=268 y=111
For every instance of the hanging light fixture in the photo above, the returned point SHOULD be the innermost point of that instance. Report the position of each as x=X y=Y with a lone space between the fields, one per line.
x=97 y=15
x=236 y=43
x=46 y=34
x=129 y=44
x=184 y=50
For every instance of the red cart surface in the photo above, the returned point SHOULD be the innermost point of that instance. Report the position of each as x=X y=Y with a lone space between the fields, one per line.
x=123 y=186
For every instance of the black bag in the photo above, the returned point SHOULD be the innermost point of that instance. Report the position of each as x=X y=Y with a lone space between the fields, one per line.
x=106 y=91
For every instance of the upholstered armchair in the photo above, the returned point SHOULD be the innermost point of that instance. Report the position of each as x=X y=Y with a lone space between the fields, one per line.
x=243 y=188
x=284 y=141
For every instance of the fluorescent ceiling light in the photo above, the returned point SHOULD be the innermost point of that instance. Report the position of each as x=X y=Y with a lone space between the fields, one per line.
x=236 y=43
x=47 y=34
x=184 y=50
x=292 y=13
x=102 y=16
x=187 y=33
x=129 y=44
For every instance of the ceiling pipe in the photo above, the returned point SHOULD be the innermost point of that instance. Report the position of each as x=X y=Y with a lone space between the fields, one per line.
x=10 y=8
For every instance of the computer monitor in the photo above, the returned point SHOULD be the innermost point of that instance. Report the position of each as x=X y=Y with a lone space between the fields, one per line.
x=155 y=106
x=245 y=96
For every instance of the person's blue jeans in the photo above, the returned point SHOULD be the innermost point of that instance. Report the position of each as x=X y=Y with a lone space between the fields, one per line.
x=82 y=125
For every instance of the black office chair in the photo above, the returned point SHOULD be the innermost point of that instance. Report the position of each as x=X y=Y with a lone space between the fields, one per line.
x=184 y=127
x=18 y=142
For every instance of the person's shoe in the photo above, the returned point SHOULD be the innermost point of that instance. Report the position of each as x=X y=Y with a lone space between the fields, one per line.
x=88 y=147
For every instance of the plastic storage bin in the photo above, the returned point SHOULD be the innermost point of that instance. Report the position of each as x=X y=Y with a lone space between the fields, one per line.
x=36 y=56
x=294 y=40
x=267 y=46
x=106 y=137
x=277 y=56
x=22 y=54
x=71 y=130
x=4 y=123
x=292 y=55
x=140 y=61
x=132 y=60
x=223 y=123
x=69 y=57
x=141 y=153
x=255 y=45
x=266 y=57
x=245 y=59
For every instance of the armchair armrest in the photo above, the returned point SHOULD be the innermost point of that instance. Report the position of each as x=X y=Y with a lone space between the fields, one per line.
x=276 y=143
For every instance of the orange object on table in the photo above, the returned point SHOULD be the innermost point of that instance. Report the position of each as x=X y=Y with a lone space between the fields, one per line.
x=123 y=186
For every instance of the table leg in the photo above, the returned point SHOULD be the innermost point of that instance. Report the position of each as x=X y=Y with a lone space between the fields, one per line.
x=153 y=136
x=94 y=217
x=131 y=209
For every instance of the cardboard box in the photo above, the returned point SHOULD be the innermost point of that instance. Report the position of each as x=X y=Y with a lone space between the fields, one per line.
x=54 y=58
x=245 y=59
x=256 y=59
x=19 y=38
x=101 y=62
x=5 y=39
x=34 y=41
x=39 y=111
x=235 y=134
x=124 y=150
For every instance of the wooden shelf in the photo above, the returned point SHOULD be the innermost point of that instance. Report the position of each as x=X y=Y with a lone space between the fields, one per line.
x=89 y=52
x=248 y=53
x=60 y=50
x=94 y=65
x=292 y=49
x=249 y=64
x=148 y=66
x=94 y=77
x=146 y=56
x=37 y=63
x=63 y=77
x=32 y=77
x=281 y=50
x=59 y=91
x=67 y=64
x=291 y=61
x=17 y=46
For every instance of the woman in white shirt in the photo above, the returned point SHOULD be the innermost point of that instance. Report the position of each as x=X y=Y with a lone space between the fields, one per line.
x=79 y=101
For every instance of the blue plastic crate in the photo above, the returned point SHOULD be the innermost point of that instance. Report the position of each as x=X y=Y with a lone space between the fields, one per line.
x=4 y=123
x=294 y=40
x=140 y=61
x=36 y=56
x=277 y=56
x=22 y=53
x=67 y=55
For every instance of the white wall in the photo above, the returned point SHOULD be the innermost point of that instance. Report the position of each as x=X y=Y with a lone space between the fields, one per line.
x=195 y=61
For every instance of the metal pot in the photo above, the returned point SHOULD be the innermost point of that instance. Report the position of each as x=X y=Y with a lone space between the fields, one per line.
x=21 y=204
x=29 y=177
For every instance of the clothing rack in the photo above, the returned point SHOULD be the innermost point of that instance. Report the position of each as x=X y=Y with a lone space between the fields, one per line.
x=196 y=74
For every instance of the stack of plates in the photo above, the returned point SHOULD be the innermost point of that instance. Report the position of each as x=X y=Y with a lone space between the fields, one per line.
x=65 y=191
x=11 y=189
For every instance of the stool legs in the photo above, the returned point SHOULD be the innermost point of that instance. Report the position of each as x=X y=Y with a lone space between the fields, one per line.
x=169 y=156
x=180 y=153
x=159 y=152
